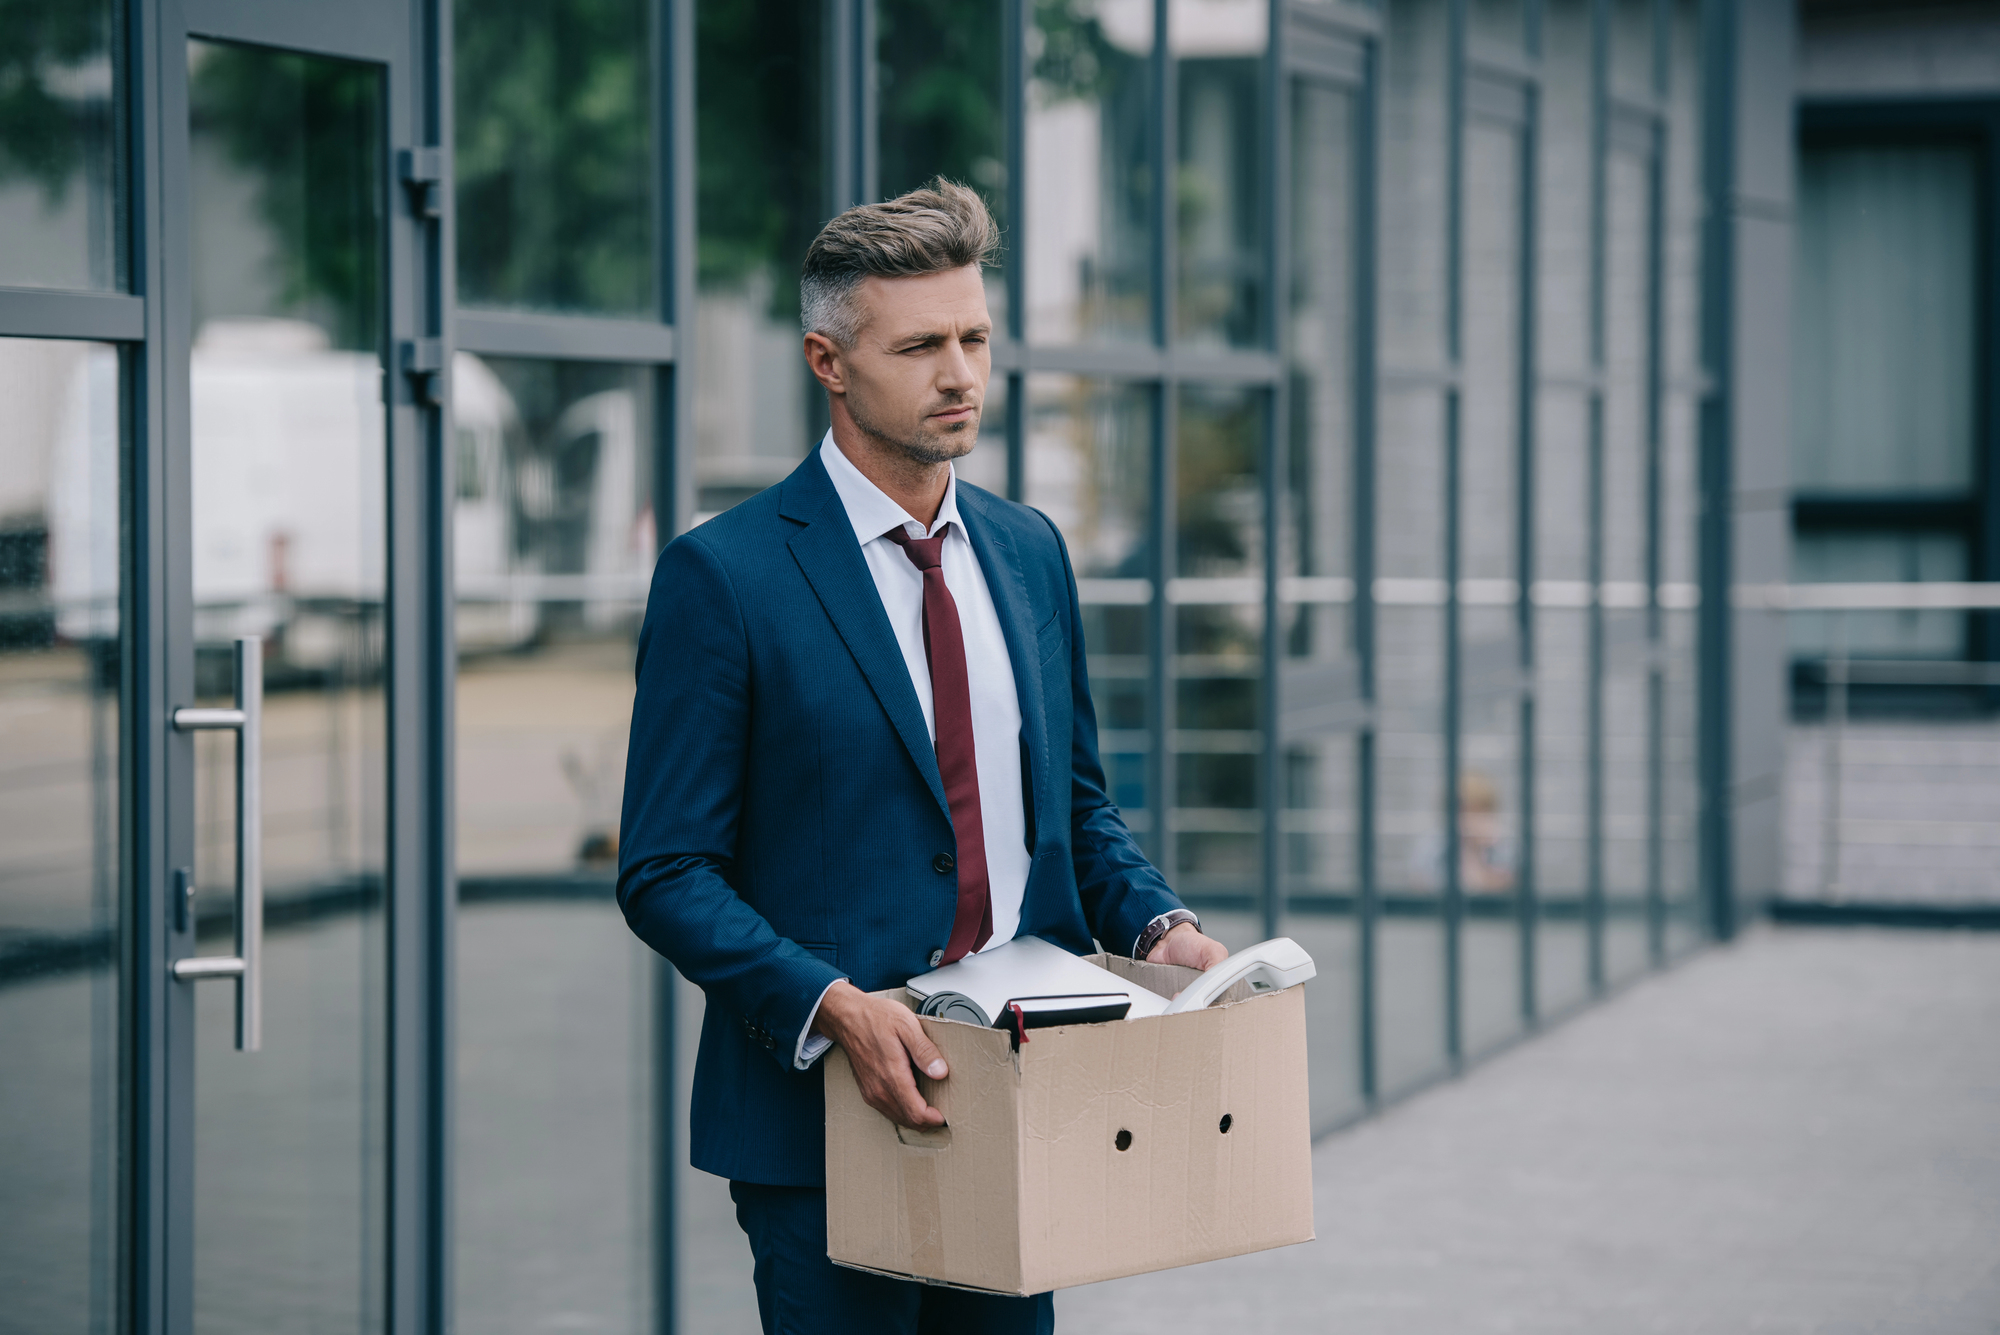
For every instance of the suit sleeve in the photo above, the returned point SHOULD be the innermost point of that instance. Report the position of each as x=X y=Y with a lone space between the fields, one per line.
x=1122 y=891
x=684 y=777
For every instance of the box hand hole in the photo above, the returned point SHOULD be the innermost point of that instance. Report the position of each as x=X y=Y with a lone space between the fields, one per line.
x=1123 y=1140
x=1223 y=1126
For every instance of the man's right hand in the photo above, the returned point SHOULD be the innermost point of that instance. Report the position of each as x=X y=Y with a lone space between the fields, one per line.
x=884 y=1041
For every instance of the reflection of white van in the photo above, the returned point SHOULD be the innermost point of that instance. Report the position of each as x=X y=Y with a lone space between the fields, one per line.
x=288 y=496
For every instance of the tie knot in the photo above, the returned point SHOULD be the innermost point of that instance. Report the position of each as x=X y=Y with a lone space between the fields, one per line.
x=924 y=553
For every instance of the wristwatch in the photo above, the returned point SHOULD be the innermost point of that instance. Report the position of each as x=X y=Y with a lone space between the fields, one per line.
x=1158 y=928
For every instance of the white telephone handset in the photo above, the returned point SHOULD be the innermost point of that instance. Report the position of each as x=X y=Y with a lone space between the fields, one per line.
x=1269 y=966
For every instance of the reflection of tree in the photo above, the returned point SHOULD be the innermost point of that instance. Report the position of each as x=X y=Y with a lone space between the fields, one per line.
x=554 y=153
x=1216 y=526
x=762 y=194
x=1074 y=59
x=308 y=130
x=45 y=44
x=940 y=96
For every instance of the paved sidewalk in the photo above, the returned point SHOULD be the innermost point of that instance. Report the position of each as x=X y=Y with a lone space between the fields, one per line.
x=1800 y=1132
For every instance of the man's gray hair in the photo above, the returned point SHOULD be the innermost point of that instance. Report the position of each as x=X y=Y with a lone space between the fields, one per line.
x=942 y=227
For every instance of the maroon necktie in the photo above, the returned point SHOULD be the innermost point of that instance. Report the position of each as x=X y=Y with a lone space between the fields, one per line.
x=951 y=706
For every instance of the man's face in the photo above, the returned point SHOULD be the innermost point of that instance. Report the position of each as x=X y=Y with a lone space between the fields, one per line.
x=915 y=379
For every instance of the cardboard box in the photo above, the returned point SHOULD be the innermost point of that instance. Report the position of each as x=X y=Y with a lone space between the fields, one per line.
x=1093 y=1151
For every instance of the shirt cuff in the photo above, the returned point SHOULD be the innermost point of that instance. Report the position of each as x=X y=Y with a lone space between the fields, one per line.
x=812 y=1046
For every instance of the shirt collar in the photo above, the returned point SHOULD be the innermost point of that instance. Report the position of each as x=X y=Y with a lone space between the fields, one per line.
x=870 y=509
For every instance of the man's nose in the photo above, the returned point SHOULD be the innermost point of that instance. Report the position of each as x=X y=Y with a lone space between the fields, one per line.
x=955 y=370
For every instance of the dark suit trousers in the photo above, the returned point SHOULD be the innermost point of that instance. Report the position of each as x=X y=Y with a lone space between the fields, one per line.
x=800 y=1292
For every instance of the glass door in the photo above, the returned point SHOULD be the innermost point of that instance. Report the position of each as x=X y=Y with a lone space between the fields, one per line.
x=279 y=791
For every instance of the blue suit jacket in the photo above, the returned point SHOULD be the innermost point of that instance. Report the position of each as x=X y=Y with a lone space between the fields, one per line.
x=783 y=808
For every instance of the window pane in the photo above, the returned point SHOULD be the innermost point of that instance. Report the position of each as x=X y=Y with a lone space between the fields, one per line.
x=1501 y=22
x=62 y=206
x=1886 y=301
x=1878 y=557
x=60 y=564
x=555 y=155
x=1320 y=681
x=1562 y=502
x=554 y=548
x=1410 y=757
x=1218 y=662
x=940 y=105
x=1089 y=193
x=1089 y=467
x=1489 y=778
x=1414 y=184
x=1680 y=872
x=763 y=194
x=1218 y=48
x=1632 y=43
x=1413 y=415
x=1625 y=562
x=1562 y=697
x=1563 y=199
x=288 y=538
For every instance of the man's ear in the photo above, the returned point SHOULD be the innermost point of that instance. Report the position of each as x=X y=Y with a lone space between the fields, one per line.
x=823 y=357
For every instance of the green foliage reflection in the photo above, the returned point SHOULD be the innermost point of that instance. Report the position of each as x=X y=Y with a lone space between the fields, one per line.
x=554 y=154
x=48 y=49
x=759 y=122
x=940 y=96
x=306 y=131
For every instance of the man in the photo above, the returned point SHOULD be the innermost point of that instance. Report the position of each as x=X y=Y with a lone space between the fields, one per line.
x=863 y=746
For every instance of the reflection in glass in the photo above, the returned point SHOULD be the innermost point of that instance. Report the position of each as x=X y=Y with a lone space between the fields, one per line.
x=1885 y=387
x=1411 y=778
x=1219 y=48
x=1501 y=22
x=61 y=145
x=1320 y=683
x=1563 y=503
x=287 y=458
x=1089 y=469
x=1680 y=871
x=555 y=155
x=1490 y=714
x=1886 y=319
x=1625 y=560
x=1562 y=699
x=762 y=193
x=1564 y=168
x=60 y=576
x=1089 y=188
x=940 y=106
x=1414 y=181
x=554 y=552
x=1632 y=47
x=1217 y=667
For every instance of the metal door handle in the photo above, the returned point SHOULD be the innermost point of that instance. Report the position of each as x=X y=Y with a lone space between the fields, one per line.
x=246 y=965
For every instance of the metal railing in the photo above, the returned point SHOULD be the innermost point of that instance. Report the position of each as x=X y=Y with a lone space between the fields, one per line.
x=1840 y=672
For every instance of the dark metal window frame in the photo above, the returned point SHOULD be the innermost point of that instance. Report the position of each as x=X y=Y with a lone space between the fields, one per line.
x=1975 y=513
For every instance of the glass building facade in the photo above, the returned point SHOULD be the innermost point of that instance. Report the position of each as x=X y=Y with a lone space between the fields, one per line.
x=1373 y=359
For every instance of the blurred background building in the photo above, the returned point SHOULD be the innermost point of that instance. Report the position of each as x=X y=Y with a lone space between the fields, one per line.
x=1528 y=464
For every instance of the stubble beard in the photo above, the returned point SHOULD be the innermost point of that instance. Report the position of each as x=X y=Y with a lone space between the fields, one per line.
x=920 y=447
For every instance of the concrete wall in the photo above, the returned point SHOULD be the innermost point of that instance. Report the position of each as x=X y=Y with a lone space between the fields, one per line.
x=1848 y=49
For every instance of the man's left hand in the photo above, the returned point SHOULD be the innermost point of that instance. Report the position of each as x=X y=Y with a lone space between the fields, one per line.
x=1186 y=945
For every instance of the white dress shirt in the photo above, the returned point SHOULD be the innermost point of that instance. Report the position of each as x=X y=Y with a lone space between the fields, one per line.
x=996 y=708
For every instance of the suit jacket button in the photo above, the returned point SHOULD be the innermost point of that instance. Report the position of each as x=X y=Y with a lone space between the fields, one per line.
x=937 y=957
x=943 y=863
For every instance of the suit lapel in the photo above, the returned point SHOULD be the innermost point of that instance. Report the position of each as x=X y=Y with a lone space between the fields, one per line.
x=831 y=559
x=1000 y=561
